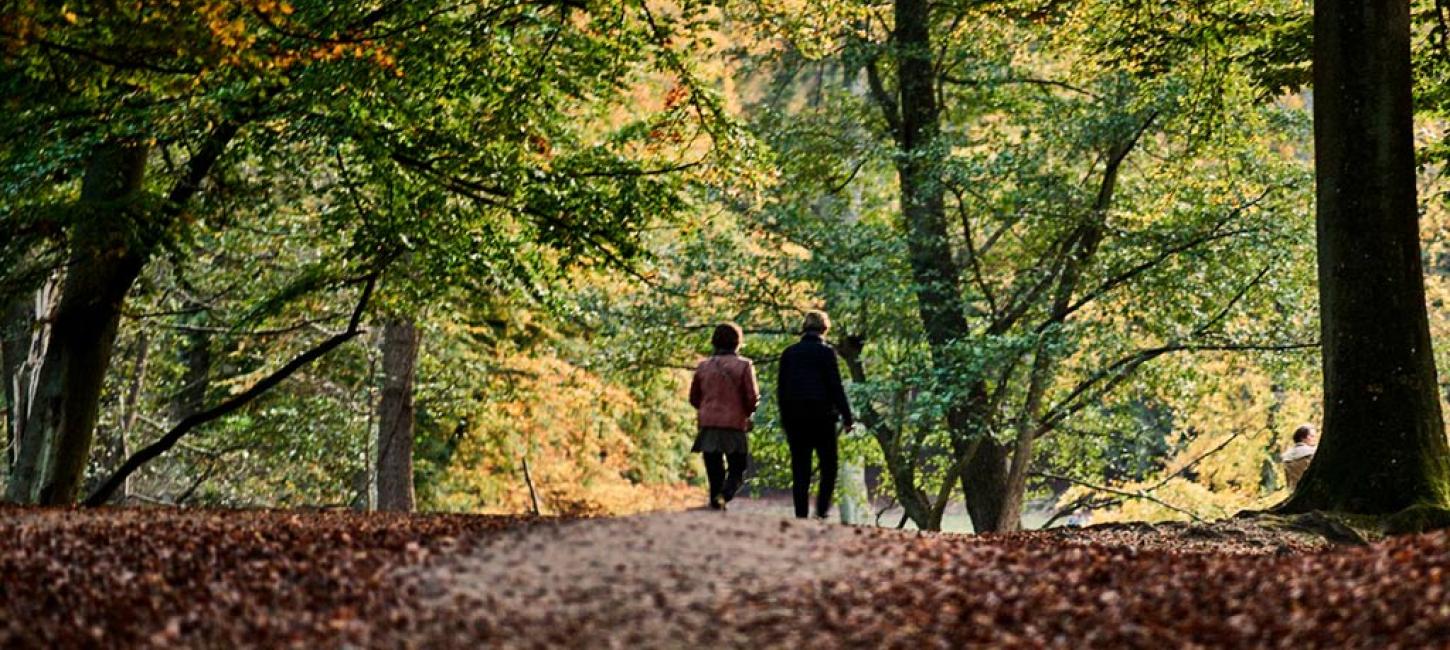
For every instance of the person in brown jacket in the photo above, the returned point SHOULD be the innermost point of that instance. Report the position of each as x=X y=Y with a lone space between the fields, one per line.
x=1298 y=457
x=724 y=394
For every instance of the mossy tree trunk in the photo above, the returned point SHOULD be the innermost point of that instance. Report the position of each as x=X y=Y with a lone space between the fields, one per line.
x=1383 y=446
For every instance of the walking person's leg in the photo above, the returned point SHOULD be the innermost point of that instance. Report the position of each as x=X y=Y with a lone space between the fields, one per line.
x=735 y=474
x=800 y=473
x=826 y=449
x=714 y=474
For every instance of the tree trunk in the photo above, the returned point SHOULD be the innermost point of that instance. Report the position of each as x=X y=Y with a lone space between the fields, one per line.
x=903 y=474
x=851 y=480
x=1383 y=446
x=15 y=330
x=116 y=444
x=109 y=244
x=196 y=378
x=30 y=451
x=1085 y=241
x=985 y=482
x=395 y=416
x=1016 y=484
x=935 y=276
x=104 y=264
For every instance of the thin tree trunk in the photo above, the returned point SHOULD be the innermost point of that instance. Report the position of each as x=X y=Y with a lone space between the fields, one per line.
x=903 y=476
x=1080 y=253
x=30 y=449
x=1383 y=447
x=196 y=377
x=15 y=330
x=395 y=416
x=533 y=494
x=130 y=413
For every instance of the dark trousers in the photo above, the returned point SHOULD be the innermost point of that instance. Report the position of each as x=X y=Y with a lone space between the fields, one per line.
x=725 y=483
x=808 y=435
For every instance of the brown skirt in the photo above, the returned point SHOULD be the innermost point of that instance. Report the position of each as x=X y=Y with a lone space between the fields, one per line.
x=718 y=440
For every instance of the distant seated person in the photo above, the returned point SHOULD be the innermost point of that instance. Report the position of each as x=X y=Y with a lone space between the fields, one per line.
x=1296 y=460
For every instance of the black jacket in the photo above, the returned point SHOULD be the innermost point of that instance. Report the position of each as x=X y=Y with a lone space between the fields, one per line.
x=810 y=380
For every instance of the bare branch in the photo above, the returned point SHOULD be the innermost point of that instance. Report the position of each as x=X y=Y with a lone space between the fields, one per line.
x=191 y=422
x=1043 y=83
x=1122 y=493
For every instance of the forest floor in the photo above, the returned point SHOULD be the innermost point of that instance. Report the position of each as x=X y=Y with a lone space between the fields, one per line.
x=204 y=578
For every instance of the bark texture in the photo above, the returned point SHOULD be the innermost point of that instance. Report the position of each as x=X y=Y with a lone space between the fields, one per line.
x=1383 y=447
x=395 y=416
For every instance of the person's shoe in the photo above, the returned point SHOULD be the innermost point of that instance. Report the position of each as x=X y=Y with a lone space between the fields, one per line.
x=717 y=503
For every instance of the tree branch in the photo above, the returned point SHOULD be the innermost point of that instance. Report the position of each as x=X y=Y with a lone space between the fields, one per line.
x=884 y=99
x=1044 y=83
x=191 y=422
x=1122 y=493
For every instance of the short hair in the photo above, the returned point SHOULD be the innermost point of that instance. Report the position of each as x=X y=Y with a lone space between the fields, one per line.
x=1303 y=432
x=726 y=337
x=816 y=321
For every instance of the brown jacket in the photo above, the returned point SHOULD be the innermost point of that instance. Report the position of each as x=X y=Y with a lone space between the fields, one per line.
x=724 y=392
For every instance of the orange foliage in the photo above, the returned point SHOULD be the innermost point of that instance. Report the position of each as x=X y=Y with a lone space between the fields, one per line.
x=573 y=429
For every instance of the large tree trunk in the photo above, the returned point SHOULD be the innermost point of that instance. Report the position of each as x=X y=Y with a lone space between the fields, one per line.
x=109 y=245
x=395 y=416
x=985 y=482
x=1384 y=445
x=104 y=264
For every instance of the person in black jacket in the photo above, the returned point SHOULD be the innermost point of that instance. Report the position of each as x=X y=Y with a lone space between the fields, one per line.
x=811 y=399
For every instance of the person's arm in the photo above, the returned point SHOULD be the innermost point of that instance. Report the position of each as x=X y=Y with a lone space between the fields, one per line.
x=695 y=388
x=837 y=389
x=751 y=393
x=780 y=375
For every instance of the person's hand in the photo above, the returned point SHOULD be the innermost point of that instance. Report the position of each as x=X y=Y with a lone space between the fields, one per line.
x=847 y=424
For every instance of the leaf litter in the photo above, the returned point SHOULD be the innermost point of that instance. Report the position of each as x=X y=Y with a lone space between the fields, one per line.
x=205 y=578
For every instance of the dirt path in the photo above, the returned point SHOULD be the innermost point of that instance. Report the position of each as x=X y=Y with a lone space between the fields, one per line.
x=655 y=580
